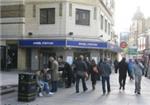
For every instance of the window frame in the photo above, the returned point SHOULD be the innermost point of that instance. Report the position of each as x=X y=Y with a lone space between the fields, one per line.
x=48 y=17
x=79 y=20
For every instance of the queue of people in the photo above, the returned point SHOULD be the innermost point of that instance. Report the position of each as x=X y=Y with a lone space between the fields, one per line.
x=82 y=69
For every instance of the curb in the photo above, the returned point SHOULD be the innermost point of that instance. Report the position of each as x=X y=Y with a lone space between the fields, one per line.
x=8 y=89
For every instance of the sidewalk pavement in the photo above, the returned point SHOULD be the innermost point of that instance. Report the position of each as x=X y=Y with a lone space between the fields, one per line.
x=8 y=78
x=69 y=97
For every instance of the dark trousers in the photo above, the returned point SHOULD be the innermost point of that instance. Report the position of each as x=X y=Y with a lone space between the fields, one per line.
x=122 y=81
x=68 y=82
x=107 y=79
x=116 y=68
x=54 y=86
x=83 y=83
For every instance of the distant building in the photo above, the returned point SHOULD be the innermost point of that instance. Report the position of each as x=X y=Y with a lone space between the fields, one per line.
x=140 y=32
x=124 y=36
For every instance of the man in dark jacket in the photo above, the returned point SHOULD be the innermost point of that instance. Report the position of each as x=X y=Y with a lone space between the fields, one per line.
x=123 y=69
x=81 y=69
x=67 y=72
x=105 y=72
x=115 y=65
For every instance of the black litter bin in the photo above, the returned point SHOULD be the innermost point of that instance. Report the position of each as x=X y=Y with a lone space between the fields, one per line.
x=27 y=88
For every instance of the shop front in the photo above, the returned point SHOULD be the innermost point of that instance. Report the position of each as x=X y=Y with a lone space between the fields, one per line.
x=38 y=51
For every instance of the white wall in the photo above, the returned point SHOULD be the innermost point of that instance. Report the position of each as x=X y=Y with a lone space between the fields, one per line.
x=33 y=24
x=12 y=27
x=65 y=24
x=81 y=30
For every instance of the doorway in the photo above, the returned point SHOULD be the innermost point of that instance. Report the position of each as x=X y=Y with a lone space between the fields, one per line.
x=85 y=54
x=3 y=57
x=44 y=58
x=11 y=57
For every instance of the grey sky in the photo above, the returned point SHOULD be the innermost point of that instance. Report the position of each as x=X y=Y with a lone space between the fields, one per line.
x=125 y=10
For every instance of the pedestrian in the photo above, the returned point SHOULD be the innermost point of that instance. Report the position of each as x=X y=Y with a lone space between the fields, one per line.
x=67 y=72
x=116 y=65
x=130 y=68
x=43 y=78
x=105 y=72
x=54 y=73
x=74 y=70
x=123 y=69
x=99 y=66
x=88 y=63
x=81 y=72
x=94 y=73
x=137 y=70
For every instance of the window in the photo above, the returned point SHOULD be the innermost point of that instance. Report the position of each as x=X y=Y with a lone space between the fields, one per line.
x=102 y=22
x=82 y=17
x=12 y=11
x=47 y=16
x=105 y=25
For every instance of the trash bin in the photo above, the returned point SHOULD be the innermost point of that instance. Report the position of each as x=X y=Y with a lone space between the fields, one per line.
x=27 y=88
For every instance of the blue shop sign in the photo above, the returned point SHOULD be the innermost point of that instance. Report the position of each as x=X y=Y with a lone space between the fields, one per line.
x=41 y=43
x=86 y=44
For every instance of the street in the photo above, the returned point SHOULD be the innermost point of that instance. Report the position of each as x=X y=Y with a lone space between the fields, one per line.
x=69 y=97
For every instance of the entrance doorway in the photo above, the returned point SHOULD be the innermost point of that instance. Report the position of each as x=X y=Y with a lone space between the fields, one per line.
x=11 y=57
x=3 y=57
x=85 y=54
x=44 y=58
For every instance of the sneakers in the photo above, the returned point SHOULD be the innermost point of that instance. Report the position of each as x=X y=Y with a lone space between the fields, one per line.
x=50 y=93
x=40 y=94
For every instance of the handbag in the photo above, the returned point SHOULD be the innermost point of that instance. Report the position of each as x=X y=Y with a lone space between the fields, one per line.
x=95 y=69
x=80 y=73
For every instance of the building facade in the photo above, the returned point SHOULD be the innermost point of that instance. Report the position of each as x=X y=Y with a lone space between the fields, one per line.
x=33 y=30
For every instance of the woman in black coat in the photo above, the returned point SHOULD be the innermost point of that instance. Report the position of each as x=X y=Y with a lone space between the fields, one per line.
x=94 y=73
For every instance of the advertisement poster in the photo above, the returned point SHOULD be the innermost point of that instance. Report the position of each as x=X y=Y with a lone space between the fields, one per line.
x=95 y=58
x=69 y=59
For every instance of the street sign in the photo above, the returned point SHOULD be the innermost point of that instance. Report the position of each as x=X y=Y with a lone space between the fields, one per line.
x=132 y=51
x=123 y=44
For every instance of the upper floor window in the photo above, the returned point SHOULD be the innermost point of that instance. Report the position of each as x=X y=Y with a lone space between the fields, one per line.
x=82 y=17
x=47 y=16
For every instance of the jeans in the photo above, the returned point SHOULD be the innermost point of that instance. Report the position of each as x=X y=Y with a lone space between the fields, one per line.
x=83 y=83
x=107 y=79
x=54 y=86
x=44 y=86
x=137 y=83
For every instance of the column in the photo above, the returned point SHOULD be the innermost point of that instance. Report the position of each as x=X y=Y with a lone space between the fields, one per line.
x=21 y=59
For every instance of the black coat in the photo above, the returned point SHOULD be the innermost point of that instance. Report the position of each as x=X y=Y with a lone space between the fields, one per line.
x=67 y=71
x=123 y=69
x=94 y=75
